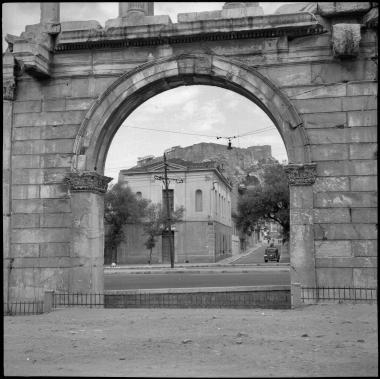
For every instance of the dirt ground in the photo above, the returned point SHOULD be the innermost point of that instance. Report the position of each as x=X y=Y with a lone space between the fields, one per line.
x=316 y=340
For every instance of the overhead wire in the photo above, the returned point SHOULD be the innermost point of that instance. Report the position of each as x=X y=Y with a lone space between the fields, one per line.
x=203 y=135
x=258 y=131
x=170 y=131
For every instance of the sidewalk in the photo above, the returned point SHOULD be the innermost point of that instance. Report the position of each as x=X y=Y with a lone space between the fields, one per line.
x=225 y=265
x=318 y=340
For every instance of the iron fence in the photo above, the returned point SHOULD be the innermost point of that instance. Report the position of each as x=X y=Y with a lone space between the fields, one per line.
x=21 y=308
x=338 y=294
x=91 y=300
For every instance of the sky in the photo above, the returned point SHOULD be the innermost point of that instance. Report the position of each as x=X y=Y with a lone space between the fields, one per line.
x=182 y=116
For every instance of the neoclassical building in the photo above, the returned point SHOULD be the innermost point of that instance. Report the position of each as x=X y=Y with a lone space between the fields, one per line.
x=204 y=234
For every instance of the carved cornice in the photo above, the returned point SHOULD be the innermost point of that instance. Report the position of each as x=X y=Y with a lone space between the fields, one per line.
x=301 y=174
x=137 y=42
x=9 y=90
x=87 y=181
x=270 y=26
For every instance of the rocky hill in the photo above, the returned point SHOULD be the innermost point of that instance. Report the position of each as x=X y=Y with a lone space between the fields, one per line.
x=237 y=162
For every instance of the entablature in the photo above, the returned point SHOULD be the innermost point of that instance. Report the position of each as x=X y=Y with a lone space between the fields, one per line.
x=91 y=36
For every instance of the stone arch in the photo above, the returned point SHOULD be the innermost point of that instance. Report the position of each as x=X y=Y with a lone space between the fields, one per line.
x=135 y=87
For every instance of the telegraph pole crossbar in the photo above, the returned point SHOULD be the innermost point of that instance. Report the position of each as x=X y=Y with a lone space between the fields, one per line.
x=160 y=177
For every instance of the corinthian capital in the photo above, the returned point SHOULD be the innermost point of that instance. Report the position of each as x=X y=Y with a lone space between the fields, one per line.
x=87 y=181
x=301 y=174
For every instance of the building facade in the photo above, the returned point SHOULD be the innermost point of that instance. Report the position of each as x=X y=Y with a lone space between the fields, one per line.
x=204 y=233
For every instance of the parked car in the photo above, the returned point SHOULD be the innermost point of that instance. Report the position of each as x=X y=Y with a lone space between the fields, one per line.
x=271 y=254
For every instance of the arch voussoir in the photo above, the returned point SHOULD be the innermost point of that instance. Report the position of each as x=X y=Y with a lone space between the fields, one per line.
x=133 y=88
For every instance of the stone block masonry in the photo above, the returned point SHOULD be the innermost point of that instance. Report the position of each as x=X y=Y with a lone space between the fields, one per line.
x=69 y=99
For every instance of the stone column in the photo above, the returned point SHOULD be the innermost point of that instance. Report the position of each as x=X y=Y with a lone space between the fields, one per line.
x=236 y=4
x=49 y=13
x=301 y=246
x=136 y=9
x=9 y=88
x=241 y=9
x=87 y=191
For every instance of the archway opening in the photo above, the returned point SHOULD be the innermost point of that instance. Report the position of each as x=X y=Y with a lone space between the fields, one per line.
x=216 y=143
x=135 y=87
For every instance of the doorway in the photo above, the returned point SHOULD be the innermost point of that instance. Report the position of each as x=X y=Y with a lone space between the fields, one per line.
x=167 y=241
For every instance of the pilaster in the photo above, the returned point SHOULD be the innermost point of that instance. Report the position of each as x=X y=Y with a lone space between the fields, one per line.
x=87 y=243
x=9 y=83
x=9 y=88
x=301 y=177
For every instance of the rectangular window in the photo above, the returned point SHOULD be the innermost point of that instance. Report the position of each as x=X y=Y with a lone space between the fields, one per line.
x=198 y=201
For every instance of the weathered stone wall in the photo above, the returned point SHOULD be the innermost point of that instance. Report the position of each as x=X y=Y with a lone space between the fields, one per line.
x=341 y=122
x=335 y=98
x=276 y=297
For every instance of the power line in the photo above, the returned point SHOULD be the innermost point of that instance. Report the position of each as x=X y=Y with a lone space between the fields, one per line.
x=258 y=131
x=204 y=135
x=170 y=131
x=229 y=138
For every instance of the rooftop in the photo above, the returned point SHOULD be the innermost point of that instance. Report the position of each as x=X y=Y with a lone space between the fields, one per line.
x=176 y=164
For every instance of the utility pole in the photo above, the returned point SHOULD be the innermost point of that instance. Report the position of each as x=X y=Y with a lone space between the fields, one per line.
x=168 y=212
x=166 y=181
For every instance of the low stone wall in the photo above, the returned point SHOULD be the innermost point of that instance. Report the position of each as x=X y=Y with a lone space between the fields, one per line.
x=275 y=297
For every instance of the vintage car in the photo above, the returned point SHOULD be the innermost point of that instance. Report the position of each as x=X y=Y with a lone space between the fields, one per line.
x=271 y=254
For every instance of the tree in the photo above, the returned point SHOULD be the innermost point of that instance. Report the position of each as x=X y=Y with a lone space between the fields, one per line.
x=153 y=226
x=121 y=206
x=268 y=201
x=155 y=222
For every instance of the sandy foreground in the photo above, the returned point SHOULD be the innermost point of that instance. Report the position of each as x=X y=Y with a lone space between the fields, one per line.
x=316 y=340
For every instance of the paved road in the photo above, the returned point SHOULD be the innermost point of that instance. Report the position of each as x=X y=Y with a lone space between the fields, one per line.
x=258 y=256
x=124 y=281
